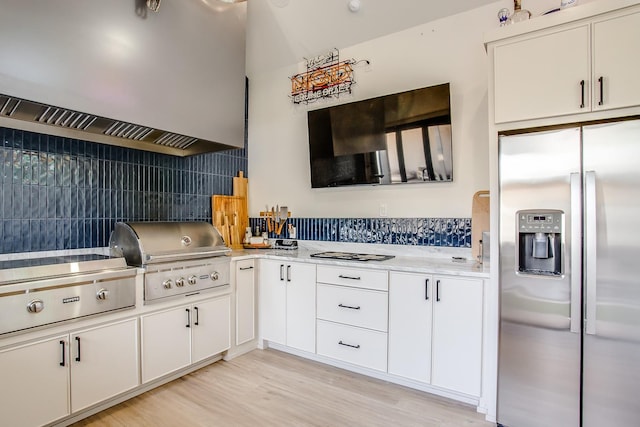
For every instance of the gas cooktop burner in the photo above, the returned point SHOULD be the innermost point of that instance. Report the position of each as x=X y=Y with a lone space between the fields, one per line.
x=350 y=256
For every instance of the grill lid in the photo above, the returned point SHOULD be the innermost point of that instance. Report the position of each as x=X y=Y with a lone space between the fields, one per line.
x=142 y=243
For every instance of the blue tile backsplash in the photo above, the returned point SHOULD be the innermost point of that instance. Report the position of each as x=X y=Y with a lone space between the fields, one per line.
x=62 y=193
x=449 y=232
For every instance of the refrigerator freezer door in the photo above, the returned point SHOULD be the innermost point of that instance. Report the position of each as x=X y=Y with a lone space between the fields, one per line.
x=539 y=370
x=611 y=377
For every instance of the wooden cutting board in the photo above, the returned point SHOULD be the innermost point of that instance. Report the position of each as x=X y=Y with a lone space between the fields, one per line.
x=479 y=220
x=229 y=216
x=241 y=185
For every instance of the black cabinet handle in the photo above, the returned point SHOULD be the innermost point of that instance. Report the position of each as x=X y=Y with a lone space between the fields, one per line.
x=78 y=344
x=63 y=363
x=601 y=84
x=437 y=290
x=348 y=345
x=348 y=277
x=188 y=318
x=197 y=316
x=281 y=272
x=349 y=307
x=582 y=93
x=288 y=273
x=426 y=289
x=246 y=268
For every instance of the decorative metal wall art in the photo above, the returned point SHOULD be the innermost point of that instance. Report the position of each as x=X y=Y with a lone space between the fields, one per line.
x=326 y=77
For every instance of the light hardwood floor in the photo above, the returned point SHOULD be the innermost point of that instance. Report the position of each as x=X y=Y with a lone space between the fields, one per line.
x=271 y=388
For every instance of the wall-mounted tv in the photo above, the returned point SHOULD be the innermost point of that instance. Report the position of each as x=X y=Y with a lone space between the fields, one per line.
x=394 y=139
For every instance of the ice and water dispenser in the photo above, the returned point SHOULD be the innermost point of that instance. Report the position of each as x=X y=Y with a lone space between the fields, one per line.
x=539 y=242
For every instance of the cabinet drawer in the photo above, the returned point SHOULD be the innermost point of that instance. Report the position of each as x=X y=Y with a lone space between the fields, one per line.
x=355 y=277
x=357 y=307
x=354 y=345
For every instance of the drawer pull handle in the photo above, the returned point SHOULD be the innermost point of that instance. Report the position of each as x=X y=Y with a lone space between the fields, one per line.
x=246 y=268
x=349 y=306
x=342 y=276
x=348 y=345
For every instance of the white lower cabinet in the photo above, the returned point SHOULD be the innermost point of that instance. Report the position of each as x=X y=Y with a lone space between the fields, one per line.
x=352 y=315
x=245 y=301
x=47 y=380
x=104 y=363
x=457 y=335
x=435 y=330
x=288 y=304
x=410 y=322
x=176 y=338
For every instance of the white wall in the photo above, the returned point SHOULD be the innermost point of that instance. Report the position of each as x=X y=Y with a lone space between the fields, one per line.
x=446 y=50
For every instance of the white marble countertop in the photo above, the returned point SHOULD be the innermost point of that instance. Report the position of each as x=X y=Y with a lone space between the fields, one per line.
x=439 y=262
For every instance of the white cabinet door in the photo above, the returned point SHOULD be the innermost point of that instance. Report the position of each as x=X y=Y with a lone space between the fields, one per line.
x=272 y=301
x=210 y=327
x=35 y=383
x=301 y=306
x=245 y=301
x=410 y=314
x=166 y=342
x=104 y=363
x=616 y=60
x=541 y=76
x=457 y=334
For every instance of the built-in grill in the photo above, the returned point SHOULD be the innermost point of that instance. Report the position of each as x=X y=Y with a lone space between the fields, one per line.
x=180 y=258
x=36 y=292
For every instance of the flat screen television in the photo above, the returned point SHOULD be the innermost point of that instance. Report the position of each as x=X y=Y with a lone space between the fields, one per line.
x=401 y=138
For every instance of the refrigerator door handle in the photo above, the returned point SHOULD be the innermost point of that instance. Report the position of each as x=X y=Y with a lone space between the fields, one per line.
x=576 y=251
x=590 y=244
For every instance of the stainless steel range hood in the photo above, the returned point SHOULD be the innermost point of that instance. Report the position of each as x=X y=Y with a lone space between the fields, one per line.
x=113 y=72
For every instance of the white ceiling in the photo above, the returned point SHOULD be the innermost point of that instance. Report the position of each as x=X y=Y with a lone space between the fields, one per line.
x=286 y=31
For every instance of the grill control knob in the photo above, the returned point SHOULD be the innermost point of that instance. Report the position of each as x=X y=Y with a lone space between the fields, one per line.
x=192 y=280
x=102 y=294
x=167 y=284
x=35 y=306
x=214 y=275
x=180 y=282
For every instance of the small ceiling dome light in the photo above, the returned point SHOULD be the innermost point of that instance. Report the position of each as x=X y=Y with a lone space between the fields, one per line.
x=354 y=5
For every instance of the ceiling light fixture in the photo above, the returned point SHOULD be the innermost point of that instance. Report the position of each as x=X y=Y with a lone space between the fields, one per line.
x=354 y=5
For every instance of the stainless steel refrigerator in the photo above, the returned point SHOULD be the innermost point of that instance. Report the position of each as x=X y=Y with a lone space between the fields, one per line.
x=569 y=352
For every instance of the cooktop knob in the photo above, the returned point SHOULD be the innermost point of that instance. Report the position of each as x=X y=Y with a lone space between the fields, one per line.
x=214 y=275
x=102 y=294
x=180 y=282
x=35 y=306
x=167 y=284
x=192 y=280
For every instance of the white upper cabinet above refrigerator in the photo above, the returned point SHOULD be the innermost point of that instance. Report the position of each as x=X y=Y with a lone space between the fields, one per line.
x=616 y=60
x=583 y=66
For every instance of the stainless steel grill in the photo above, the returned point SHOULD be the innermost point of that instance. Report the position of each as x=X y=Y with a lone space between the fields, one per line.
x=37 y=292
x=180 y=258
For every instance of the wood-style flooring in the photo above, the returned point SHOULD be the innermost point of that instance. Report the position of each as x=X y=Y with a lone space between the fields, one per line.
x=271 y=388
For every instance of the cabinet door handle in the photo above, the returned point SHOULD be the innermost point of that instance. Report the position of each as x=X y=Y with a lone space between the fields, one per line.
x=188 y=318
x=437 y=290
x=78 y=346
x=246 y=268
x=601 y=84
x=349 y=345
x=426 y=289
x=288 y=273
x=582 y=93
x=63 y=363
x=197 y=316
x=349 y=277
x=349 y=307
x=281 y=272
